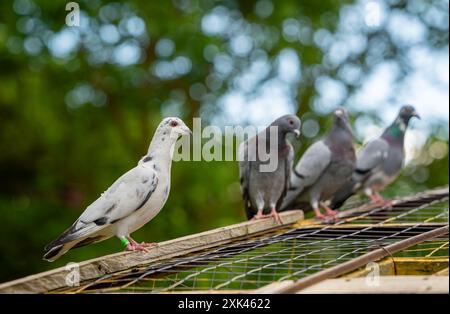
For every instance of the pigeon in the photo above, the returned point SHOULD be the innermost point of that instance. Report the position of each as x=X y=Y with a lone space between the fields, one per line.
x=264 y=189
x=379 y=162
x=132 y=200
x=323 y=169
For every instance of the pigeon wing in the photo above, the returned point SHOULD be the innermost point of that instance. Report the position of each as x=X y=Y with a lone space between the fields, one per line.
x=308 y=170
x=312 y=164
x=129 y=193
x=372 y=156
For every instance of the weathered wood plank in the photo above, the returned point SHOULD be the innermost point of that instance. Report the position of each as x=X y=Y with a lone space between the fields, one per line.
x=411 y=266
x=91 y=269
x=443 y=272
x=386 y=284
x=274 y=287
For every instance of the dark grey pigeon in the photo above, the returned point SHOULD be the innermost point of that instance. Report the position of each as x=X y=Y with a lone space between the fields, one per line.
x=265 y=177
x=379 y=162
x=323 y=169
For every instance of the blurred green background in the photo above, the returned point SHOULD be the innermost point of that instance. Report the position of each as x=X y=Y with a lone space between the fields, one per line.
x=78 y=105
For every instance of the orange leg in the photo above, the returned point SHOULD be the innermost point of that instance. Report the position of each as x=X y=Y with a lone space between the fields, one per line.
x=274 y=214
x=329 y=211
x=318 y=214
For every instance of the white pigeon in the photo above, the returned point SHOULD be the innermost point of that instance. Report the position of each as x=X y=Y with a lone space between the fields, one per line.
x=132 y=201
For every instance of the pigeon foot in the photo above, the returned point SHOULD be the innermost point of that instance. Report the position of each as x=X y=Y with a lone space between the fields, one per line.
x=319 y=215
x=376 y=198
x=259 y=216
x=136 y=247
x=329 y=211
x=380 y=201
x=274 y=214
x=149 y=244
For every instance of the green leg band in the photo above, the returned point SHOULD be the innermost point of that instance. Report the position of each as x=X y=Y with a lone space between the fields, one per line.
x=124 y=241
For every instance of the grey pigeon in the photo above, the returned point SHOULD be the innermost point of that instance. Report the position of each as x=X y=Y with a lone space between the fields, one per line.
x=323 y=169
x=379 y=162
x=132 y=201
x=264 y=189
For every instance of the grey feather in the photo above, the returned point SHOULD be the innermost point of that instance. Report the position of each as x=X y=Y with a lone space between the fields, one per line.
x=312 y=165
x=380 y=161
x=372 y=156
x=266 y=190
x=124 y=197
x=324 y=167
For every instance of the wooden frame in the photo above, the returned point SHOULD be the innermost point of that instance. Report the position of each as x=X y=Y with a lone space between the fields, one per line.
x=92 y=269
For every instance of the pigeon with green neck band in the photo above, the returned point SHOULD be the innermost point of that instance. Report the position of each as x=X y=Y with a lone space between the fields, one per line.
x=323 y=169
x=132 y=200
x=263 y=189
x=379 y=162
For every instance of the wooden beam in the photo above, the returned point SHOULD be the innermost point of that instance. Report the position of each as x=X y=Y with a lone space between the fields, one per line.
x=386 y=284
x=443 y=272
x=92 y=269
x=274 y=287
x=411 y=266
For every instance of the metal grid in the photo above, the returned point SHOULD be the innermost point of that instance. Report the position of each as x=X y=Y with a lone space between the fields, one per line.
x=289 y=254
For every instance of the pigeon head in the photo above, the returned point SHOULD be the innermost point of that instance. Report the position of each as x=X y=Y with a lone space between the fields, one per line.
x=406 y=113
x=397 y=129
x=174 y=126
x=341 y=118
x=288 y=124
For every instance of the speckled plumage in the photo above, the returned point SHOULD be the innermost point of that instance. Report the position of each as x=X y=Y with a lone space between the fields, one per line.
x=133 y=199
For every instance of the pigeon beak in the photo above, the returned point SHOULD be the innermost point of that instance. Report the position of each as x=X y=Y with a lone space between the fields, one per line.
x=415 y=114
x=339 y=113
x=297 y=133
x=186 y=131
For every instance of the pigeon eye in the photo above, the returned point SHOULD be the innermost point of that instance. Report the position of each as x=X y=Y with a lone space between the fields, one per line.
x=291 y=122
x=173 y=123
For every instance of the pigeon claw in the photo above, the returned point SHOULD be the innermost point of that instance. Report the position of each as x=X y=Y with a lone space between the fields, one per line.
x=137 y=247
x=150 y=244
x=274 y=214
x=319 y=215
x=257 y=217
x=330 y=212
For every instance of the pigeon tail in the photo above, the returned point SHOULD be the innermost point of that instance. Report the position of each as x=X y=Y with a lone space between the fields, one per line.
x=341 y=196
x=53 y=253
x=71 y=238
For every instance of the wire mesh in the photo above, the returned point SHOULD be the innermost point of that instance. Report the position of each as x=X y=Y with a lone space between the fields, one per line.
x=291 y=253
